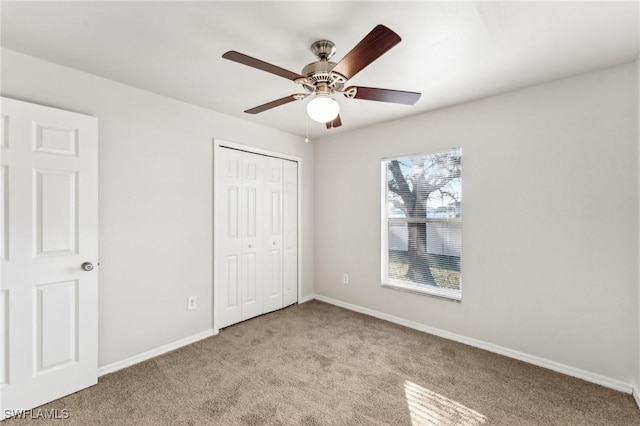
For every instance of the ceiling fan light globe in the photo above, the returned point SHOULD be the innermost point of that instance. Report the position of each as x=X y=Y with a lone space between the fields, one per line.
x=323 y=109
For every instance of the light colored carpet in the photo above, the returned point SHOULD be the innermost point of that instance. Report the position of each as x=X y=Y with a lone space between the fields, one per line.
x=317 y=364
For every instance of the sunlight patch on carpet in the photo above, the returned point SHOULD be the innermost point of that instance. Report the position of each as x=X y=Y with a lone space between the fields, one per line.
x=430 y=408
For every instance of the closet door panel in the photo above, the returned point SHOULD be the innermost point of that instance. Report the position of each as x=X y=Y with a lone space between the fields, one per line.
x=229 y=247
x=273 y=236
x=290 y=232
x=252 y=230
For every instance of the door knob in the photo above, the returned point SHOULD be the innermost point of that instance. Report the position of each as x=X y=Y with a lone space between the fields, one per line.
x=87 y=266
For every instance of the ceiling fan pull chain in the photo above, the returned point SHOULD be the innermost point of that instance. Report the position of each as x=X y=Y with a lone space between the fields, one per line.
x=306 y=139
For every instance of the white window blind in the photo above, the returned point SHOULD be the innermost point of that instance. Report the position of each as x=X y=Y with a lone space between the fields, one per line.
x=422 y=223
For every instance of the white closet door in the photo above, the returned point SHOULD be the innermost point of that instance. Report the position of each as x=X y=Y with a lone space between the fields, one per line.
x=256 y=235
x=228 y=235
x=272 y=257
x=290 y=232
x=252 y=229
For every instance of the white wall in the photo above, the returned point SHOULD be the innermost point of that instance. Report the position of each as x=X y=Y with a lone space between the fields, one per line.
x=155 y=200
x=550 y=220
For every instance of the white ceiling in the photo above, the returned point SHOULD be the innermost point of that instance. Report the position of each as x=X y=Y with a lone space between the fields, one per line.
x=451 y=52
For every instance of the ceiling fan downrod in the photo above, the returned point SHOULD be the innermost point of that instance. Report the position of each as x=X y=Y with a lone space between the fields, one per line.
x=323 y=49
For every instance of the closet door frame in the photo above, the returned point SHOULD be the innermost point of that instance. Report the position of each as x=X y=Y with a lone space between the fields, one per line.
x=219 y=144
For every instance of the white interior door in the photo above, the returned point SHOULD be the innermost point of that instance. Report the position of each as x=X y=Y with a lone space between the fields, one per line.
x=49 y=187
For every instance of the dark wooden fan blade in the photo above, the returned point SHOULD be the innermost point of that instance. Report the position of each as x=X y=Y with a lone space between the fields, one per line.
x=272 y=104
x=336 y=122
x=382 y=95
x=370 y=48
x=261 y=65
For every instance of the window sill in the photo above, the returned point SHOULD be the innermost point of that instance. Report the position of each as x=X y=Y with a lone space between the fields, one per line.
x=425 y=290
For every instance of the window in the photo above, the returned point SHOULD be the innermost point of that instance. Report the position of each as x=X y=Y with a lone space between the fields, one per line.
x=421 y=223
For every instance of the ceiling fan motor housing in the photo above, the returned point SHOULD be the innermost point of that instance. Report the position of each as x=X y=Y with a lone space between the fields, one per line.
x=319 y=72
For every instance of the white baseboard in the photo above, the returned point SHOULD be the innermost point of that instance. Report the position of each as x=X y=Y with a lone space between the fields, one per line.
x=307 y=298
x=636 y=395
x=531 y=359
x=119 y=365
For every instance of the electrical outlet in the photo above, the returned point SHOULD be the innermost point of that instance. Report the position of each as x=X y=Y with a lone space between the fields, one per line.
x=192 y=303
x=345 y=278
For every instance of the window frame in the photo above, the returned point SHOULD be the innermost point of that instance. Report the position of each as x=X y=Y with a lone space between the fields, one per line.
x=394 y=283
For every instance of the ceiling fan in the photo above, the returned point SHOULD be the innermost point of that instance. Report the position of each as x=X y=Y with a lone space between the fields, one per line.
x=323 y=78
